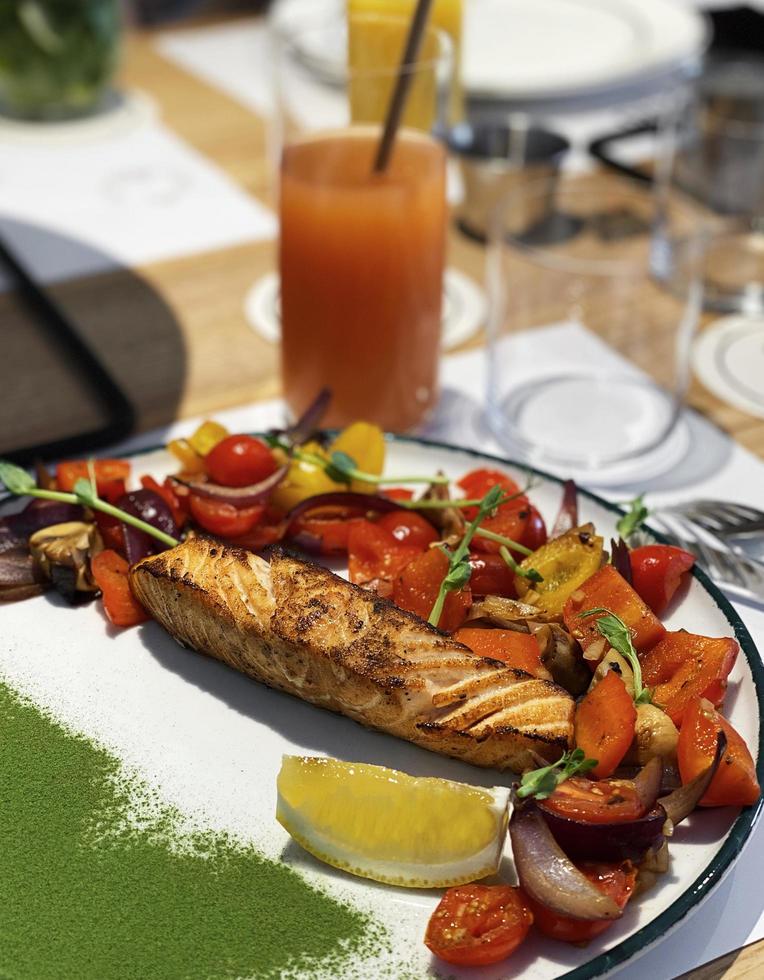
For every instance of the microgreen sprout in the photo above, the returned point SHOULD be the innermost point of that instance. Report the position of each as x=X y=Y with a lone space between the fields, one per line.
x=541 y=783
x=459 y=569
x=18 y=482
x=530 y=573
x=618 y=635
x=634 y=518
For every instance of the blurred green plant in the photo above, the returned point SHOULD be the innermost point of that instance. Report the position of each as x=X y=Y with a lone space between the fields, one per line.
x=57 y=57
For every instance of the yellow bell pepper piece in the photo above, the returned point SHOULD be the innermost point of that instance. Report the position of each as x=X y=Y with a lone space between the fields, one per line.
x=365 y=443
x=207 y=436
x=189 y=459
x=565 y=563
x=304 y=480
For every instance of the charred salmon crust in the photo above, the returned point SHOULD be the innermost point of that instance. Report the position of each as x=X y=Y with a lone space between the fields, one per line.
x=299 y=628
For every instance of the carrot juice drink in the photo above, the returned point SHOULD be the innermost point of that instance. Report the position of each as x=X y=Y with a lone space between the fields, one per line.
x=361 y=260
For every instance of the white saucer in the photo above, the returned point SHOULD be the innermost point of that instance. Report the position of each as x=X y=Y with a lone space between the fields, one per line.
x=728 y=359
x=463 y=308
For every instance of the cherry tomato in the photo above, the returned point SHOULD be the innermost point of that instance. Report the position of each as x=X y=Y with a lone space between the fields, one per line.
x=219 y=517
x=735 y=782
x=491 y=576
x=328 y=528
x=397 y=493
x=416 y=589
x=595 y=801
x=106 y=471
x=535 y=534
x=615 y=880
x=477 y=483
x=167 y=493
x=238 y=461
x=510 y=521
x=374 y=554
x=409 y=528
x=476 y=925
x=657 y=571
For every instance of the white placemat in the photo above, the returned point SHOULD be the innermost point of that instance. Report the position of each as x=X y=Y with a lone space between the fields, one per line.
x=117 y=197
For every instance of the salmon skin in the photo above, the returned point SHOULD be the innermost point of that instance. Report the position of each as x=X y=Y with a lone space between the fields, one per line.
x=297 y=627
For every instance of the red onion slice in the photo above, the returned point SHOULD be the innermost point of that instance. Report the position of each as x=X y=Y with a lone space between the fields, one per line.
x=255 y=493
x=150 y=507
x=567 y=517
x=619 y=841
x=15 y=529
x=308 y=422
x=683 y=801
x=647 y=783
x=620 y=557
x=367 y=502
x=548 y=875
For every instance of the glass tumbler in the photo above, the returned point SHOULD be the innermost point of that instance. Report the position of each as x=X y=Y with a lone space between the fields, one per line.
x=588 y=351
x=361 y=252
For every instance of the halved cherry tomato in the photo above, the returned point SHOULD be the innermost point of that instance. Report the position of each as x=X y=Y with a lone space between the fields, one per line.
x=397 y=493
x=120 y=605
x=110 y=529
x=416 y=589
x=607 y=589
x=259 y=537
x=735 y=782
x=604 y=725
x=616 y=880
x=684 y=666
x=491 y=576
x=657 y=571
x=237 y=461
x=409 y=528
x=518 y=650
x=219 y=517
x=328 y=527
x=510 y=521
x=374 y=555
x=477 y=483
x=535 y=534
x=476 y=925
x=595 y=801
x=106 y=471
x=167 y=493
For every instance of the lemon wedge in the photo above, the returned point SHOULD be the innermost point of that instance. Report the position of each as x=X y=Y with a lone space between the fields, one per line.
x=391 y=827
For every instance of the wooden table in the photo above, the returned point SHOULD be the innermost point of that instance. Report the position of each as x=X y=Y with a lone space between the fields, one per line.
x=174 y=332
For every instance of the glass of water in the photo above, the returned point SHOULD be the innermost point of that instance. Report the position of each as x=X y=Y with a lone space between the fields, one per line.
x=588 y=349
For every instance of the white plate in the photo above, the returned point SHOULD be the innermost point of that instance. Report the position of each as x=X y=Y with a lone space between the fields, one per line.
x=210 y=741
x=534 y=49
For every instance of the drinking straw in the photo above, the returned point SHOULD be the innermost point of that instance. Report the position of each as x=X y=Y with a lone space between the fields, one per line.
x=402 y=85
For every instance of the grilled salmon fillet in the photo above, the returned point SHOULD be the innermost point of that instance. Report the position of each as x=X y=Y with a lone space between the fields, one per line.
x=297 y=627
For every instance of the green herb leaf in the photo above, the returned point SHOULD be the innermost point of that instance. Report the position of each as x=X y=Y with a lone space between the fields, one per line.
x=17 y=481
x=634 y=519
x=618 y=635
x=459 y=568
x=530 y=573
x=341 y=468
x=541 y=783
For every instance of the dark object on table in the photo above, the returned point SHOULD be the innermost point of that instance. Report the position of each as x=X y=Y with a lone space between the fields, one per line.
x=157 y=11
x=62 y=332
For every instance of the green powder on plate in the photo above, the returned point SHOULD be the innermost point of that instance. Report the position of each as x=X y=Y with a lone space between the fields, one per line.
x=85 y=893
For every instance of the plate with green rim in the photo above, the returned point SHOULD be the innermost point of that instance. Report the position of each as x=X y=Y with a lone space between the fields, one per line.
x=205 y=744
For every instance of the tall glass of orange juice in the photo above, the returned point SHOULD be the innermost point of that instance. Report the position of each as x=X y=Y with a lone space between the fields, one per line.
x=361 y=253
